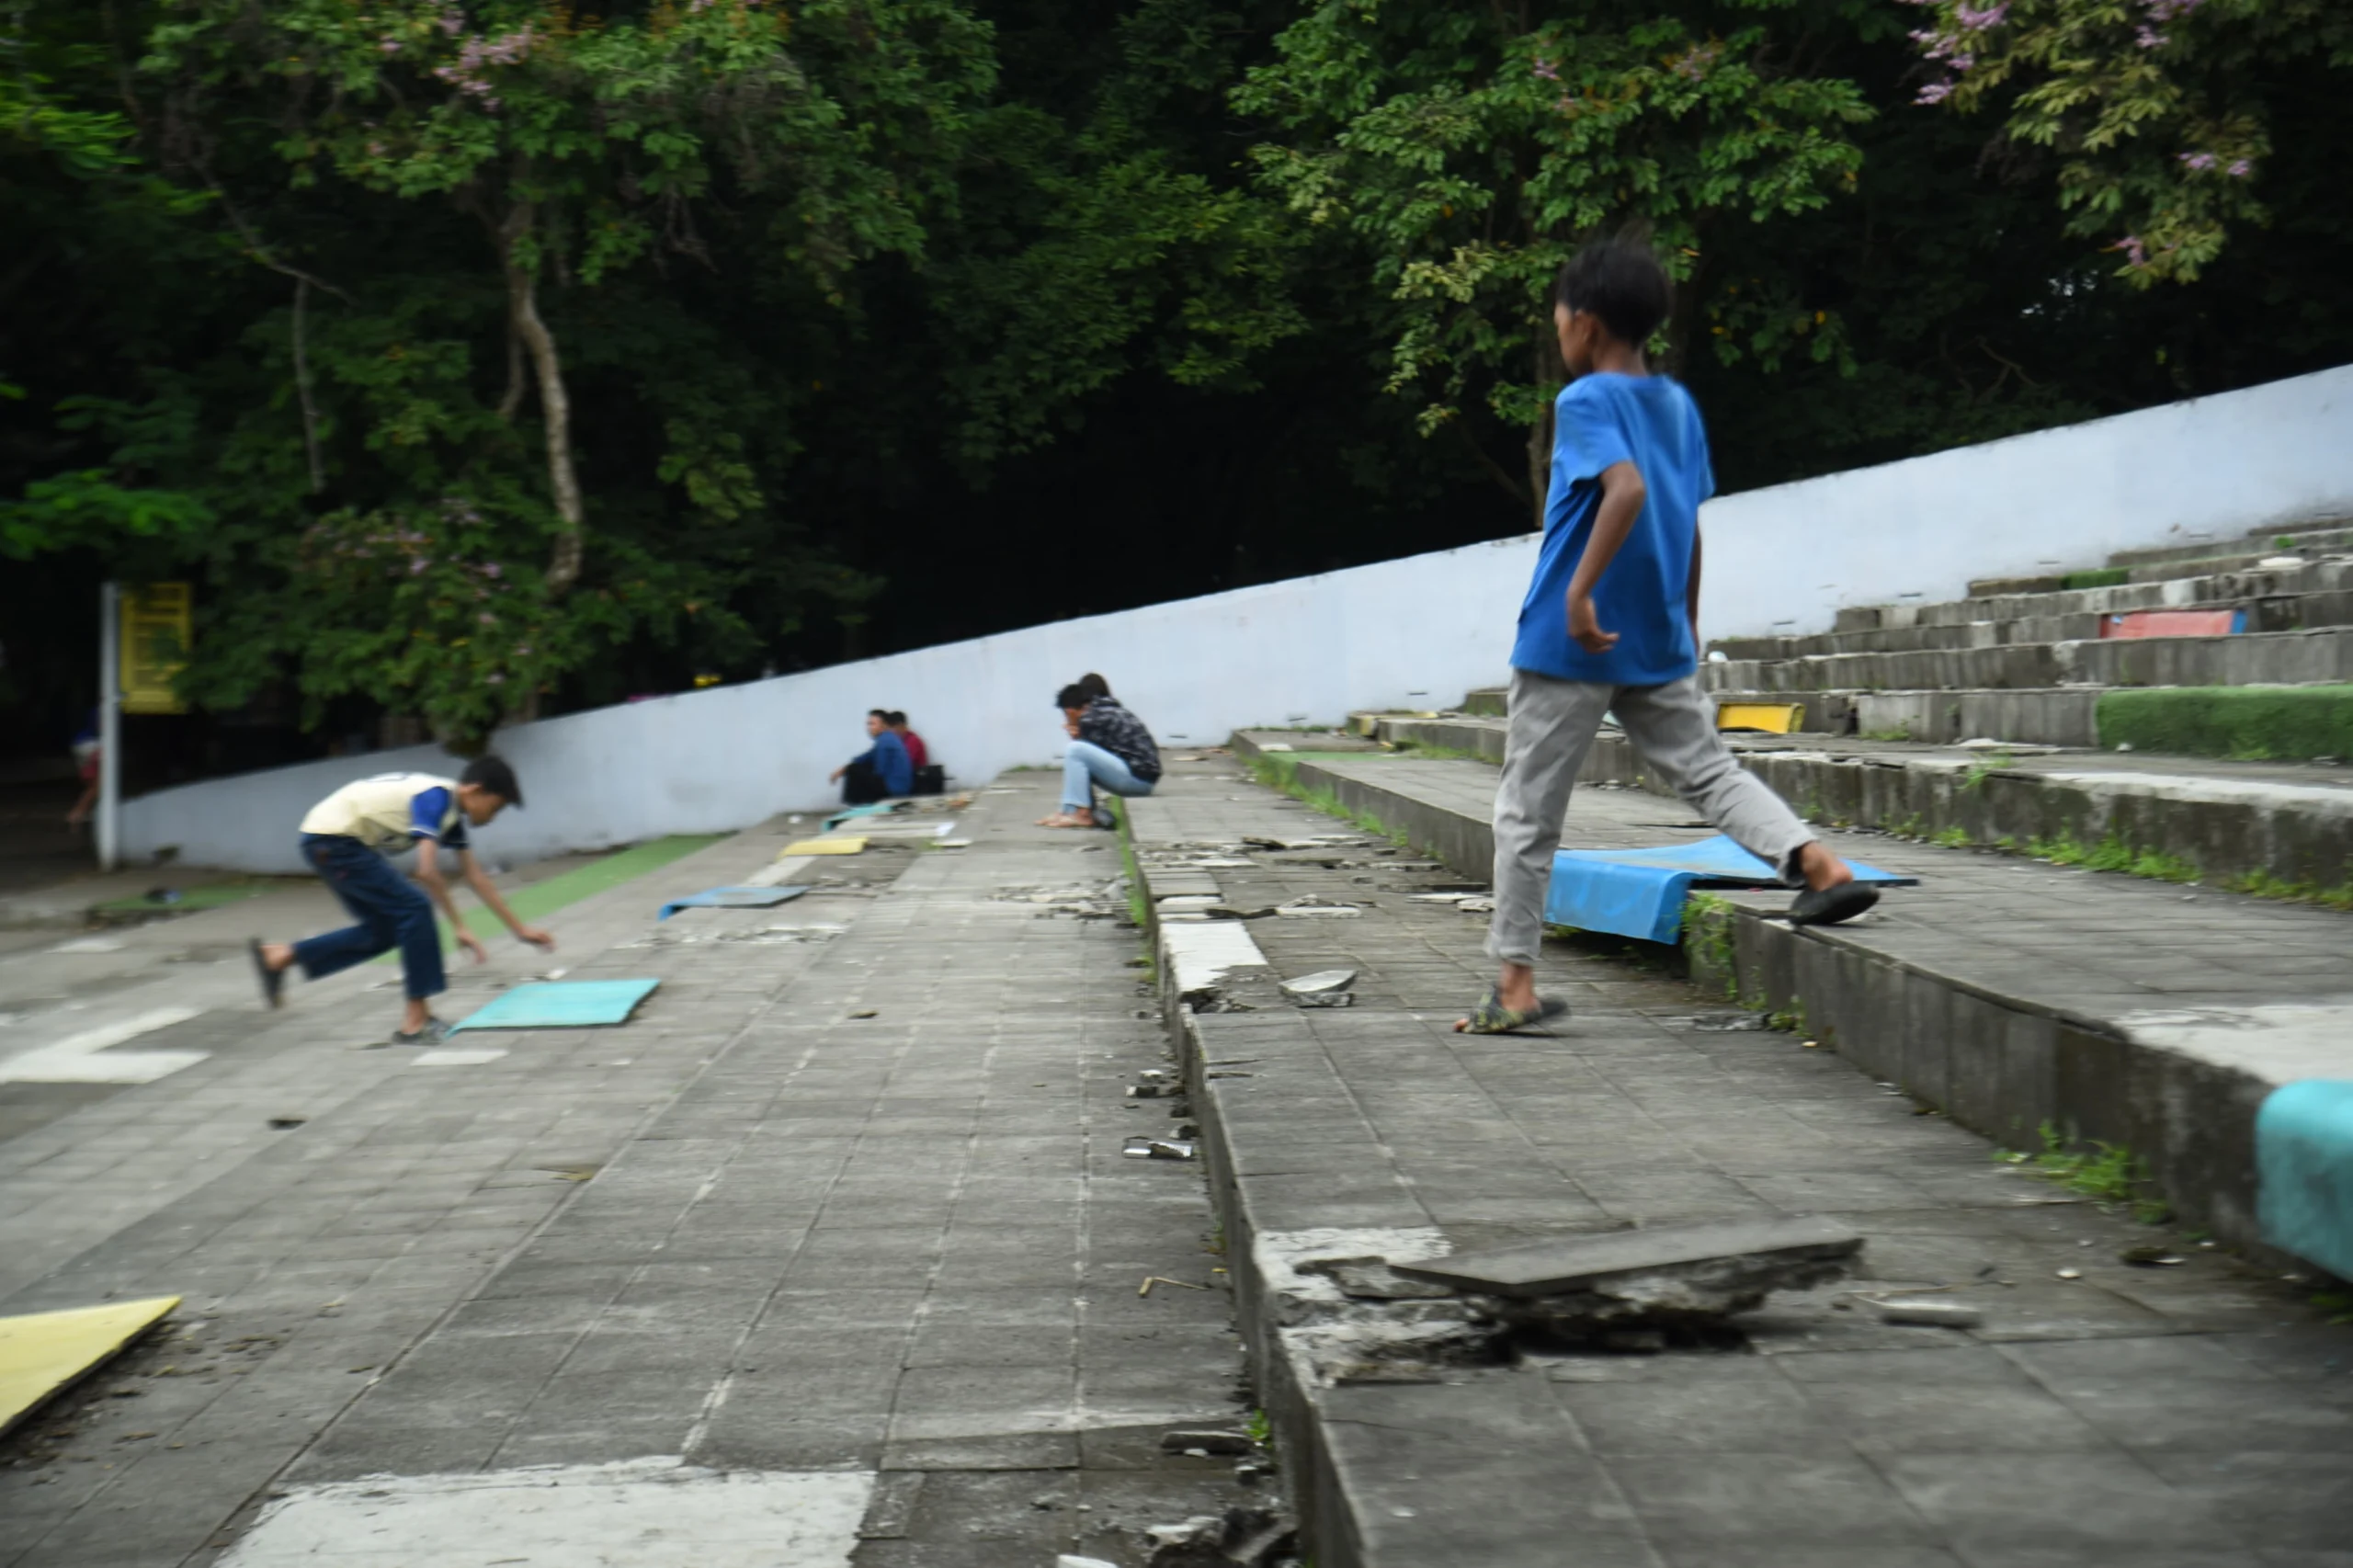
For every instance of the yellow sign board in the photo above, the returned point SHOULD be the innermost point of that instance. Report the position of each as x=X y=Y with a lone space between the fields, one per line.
x=156 y=634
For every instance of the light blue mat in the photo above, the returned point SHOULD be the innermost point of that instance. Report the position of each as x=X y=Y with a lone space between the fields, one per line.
x=2304 y=1160
x=559 y=1005
x=1638 y=892
x=732 y=898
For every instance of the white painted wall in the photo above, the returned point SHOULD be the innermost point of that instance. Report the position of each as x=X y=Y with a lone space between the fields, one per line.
x=1781 y=559
x=1417 y=632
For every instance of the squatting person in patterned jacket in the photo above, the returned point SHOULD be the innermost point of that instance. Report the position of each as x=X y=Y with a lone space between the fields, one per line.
x=1110 y=748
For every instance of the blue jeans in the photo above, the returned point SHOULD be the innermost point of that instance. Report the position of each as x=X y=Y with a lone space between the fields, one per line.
x=390 y=910
x=1086 y=765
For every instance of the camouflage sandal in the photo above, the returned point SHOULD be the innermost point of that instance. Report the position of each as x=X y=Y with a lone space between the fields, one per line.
x=1491 y=1017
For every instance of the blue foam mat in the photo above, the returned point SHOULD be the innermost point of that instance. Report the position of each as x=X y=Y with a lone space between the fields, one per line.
x=559 y=1004
x=732 y=898
x=1640 y=892
x=2303 y=1157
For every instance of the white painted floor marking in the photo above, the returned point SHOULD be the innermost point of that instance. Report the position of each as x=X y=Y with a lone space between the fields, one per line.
x=649 y=1513
x=455 y=1058
x=83 y=1058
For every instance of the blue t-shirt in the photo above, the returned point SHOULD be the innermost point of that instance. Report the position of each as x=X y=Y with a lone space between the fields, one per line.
x=1598 y=421
x=892 y=765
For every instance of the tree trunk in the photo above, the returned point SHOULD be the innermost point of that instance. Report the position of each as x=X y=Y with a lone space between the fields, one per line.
x=1545 y=366
x=555 y=404
x=302 y=390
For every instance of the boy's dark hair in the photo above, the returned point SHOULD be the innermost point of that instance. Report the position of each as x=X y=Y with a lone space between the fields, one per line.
x=894 y=717
x=882 y=713
x=492 y=775
x=1621 y=281
x=1076 y=696
x=1094 y=685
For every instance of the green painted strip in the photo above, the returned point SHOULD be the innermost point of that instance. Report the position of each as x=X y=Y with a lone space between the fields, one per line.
x=569 y=887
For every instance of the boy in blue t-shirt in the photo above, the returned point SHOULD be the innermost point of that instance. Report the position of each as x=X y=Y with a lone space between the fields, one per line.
x=1610 y=624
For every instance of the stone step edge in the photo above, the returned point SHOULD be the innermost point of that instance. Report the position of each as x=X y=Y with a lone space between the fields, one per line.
x=2002 y=1065
x=2292 y=836
x=1196 y=960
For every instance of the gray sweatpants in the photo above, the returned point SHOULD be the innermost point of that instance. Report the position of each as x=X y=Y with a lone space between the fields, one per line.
x=1674 y=727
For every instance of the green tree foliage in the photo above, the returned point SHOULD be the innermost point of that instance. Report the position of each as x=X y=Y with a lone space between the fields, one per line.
x=479 y=357
x=1471 y=148
x=2161 y=111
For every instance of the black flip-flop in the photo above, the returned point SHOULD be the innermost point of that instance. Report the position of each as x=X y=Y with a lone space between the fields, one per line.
x=1828 y=907
x=273 y=981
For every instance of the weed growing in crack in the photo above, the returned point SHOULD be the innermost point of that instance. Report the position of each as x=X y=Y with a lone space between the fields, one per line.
x=2108 y=1172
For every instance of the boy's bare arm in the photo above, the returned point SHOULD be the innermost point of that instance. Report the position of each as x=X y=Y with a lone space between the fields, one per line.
x=428 y=872
x=485 y=889
x=1623 y=494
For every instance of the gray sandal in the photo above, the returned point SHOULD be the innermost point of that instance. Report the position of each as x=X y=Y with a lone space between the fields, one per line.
x=1491 y=1017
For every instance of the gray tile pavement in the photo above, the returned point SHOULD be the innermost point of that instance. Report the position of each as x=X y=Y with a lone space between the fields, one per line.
x=806 y=1239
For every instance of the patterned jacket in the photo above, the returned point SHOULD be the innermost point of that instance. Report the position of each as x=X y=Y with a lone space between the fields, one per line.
x=1106 y=724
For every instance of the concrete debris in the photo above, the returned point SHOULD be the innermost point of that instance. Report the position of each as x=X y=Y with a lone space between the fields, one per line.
x=1330 y=999
x=1477 y=906
x=1184 y=1438
x=1685 y=1275
x=1142 y=1148
x=1322 y=982
x=1729 y=1023
x=1239 y=1538
x=1066 y=1561
x=1929 y=1312
x=1371 y=1280
x=1333 y=1337
x=1312 y=906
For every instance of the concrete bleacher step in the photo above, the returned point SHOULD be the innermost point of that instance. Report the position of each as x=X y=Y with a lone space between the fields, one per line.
x=1336 y=1138
x=2273 y=825
x=2007 y=994
x=2284 y=612
x=2250 y=588
x=2321 y=655
x=2193 y=558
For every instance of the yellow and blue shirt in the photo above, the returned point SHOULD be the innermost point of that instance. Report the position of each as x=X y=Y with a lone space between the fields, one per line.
x=391 y=810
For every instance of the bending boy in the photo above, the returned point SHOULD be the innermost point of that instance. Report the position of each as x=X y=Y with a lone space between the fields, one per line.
x=1612 y=624
x=345 y=838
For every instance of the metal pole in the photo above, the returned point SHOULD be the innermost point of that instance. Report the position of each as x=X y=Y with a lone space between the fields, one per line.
x=109 y=727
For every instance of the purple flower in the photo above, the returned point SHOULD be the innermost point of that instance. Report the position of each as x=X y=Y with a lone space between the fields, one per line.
x=2135 y=253
x=2148 y=38
x=1978 y=21
x=418 y=565
x=2199 y=162
x=493 y=678
x=487 y=620
x=2240 y=169
x=1546 y=69
x=1934 y=93
x=491 y=569
x=390 y=46
x=523 y=651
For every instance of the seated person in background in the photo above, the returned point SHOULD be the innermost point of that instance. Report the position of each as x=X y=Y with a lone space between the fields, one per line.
x=1092 y=685
x=918 y=754
x=879 y=772
x=1109 y=747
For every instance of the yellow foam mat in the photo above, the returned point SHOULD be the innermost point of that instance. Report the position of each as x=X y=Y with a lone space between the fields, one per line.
x=822 y=846
x=1773 y=718
x=43 y=1352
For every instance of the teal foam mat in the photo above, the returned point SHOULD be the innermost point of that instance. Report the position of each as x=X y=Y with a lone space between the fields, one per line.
x=2304 y=1158
x=733 y=898
x=1640 y=892
x=559 y=1005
